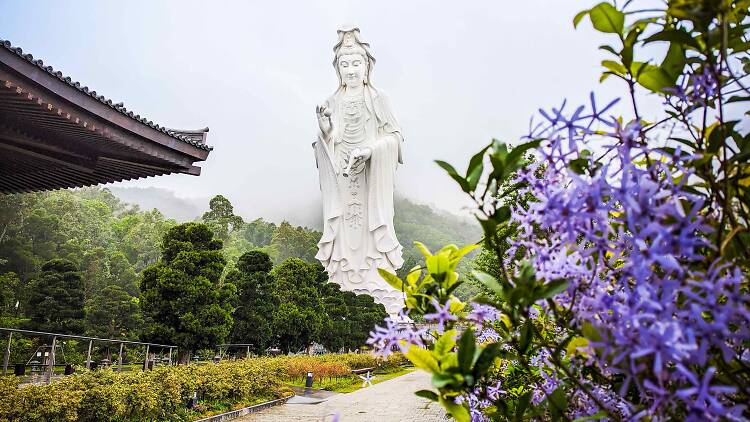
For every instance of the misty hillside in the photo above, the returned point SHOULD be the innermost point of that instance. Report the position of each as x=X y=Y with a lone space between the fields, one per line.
x=413 y=221
x=172 y=206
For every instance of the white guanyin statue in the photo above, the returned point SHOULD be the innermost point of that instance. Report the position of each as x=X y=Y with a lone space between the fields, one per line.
x=358 y=148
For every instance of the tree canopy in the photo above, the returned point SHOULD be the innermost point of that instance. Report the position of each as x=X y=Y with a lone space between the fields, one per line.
x=56 y=299
x=184 y=300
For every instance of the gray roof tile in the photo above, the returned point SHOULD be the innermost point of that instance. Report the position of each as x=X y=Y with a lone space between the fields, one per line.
x=175 y=133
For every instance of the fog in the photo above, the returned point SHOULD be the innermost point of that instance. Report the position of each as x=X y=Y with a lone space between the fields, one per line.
x=458 y=75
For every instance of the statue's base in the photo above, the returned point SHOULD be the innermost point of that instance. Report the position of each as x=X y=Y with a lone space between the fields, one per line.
x=380 y=291
x=392 y=300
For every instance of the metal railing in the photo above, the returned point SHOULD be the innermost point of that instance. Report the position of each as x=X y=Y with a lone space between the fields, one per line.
x=91 y=340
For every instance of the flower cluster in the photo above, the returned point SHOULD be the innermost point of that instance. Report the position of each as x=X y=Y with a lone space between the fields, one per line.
x=631 y=240
x=396 y=335
x=694 y=90
x=479 y=399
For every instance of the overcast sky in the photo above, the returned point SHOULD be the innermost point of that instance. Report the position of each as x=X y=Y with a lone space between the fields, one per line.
x=458 y=74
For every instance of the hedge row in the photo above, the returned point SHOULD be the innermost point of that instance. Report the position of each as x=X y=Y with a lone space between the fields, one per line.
x=158 y=395
x=339 y=365
x=163 y=394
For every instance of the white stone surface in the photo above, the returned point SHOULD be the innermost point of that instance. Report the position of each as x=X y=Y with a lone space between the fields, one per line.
x=357 y=150
x=389 y=401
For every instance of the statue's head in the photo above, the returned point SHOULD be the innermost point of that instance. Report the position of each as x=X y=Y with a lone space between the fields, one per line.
x=353 y=61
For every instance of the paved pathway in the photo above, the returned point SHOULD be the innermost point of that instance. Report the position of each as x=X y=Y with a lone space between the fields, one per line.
x=388 y=401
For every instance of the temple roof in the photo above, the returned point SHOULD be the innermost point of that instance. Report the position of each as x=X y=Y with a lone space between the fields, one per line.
x=57 y=133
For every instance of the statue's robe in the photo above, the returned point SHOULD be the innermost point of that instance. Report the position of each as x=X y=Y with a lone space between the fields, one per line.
x=358 y=233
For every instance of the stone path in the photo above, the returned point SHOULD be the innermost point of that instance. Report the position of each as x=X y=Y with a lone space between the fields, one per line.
x=391 y=400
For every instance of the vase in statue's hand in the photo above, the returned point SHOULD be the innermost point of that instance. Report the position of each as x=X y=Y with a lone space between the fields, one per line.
x=358 y=156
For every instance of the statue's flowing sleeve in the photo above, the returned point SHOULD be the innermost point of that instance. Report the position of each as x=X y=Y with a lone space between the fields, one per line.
x=386 y=155
x=331 y=202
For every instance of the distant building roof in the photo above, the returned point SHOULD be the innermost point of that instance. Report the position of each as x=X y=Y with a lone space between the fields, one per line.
x=56 y=133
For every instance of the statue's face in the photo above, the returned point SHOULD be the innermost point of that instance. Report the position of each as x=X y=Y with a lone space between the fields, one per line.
x=352 y=68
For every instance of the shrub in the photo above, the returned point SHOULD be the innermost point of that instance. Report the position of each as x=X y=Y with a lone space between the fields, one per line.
x=161 y=394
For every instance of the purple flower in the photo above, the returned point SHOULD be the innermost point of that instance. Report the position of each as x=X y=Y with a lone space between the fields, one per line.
x=487 y=335
x=630 y=239
x=702 y=397
x=442 y=314
x=494 y=390
x=483 y=313
x=395 y=336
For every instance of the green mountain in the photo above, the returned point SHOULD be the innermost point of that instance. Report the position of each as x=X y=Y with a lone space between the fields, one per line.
x=413 y=221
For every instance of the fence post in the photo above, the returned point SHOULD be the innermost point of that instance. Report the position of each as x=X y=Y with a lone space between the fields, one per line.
x=6 y=356
x=170 y=356
x=145 y=361
x=88 y=356
x=51 y=368
x=247 y=354
x=119 y=358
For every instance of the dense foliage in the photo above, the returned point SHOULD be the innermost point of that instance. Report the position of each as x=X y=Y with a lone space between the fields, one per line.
x=111 y=245
x=56 y=299
x=163 y=394
x=158 y=395
x=184 y=300
x=618 y=289
x=310 y=309
x=108 y=242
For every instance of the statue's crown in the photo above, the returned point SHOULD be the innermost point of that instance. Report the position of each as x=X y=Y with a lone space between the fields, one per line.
x=349 y=42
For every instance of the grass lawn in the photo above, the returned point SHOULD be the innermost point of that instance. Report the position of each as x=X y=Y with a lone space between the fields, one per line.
x=351 y=383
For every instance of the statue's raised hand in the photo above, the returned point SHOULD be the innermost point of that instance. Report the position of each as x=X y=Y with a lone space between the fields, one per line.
x=324 y=120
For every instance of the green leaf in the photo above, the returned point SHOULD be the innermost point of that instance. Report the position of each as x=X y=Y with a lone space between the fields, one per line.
x=489 y=281
x=454 y=174
x=466 y=348
x=523 y=404
x=463 y=251
x=516 y=154
x=474 y=172
x=437 y=264
x=442 y=380
x=391 y=279
x=718 y=133
x=590 y=332
x=595 y=417
x=422 y=358
x=574 y=344
x=473 y=178
x=610 y=49
x=427 y=394
x=422 y=248
x=737 y=98
x=675 y=36
x=486 y=358
x=527 y=333
x=579 y=165
x=626 y=54
x=459 y=413
x=674 y=61
x=615 y=67
x=577 y=18
x=686 y=142
x=554 y=287
x=445 y=343
x=413 y=275
x=651 y=77
x=558 y=403
x=502 y=214
x=606 y=18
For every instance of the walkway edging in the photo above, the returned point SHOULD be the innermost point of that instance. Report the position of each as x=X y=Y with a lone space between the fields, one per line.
x=227 y=416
